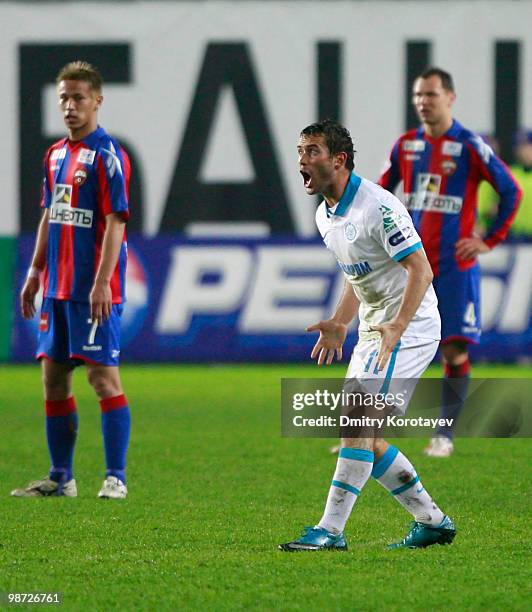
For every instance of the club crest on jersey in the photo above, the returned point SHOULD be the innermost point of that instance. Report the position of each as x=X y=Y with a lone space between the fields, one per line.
x=350 y=232
x=413 y=146
x=86 y=156
x=450 y=147
x=80 y=176
x=448 y=167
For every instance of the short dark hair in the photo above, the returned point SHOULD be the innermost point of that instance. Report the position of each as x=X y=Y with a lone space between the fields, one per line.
x=81 y=71
x=446 y=79
x=337 y=138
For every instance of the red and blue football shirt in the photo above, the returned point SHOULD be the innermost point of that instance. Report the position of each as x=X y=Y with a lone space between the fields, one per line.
x=440 y=181
x=84 y=181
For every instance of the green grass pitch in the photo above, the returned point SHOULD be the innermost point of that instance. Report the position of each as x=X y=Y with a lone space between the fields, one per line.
x=214 y=488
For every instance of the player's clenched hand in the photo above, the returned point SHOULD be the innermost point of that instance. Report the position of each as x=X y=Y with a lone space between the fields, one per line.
x=390 y=336
x=27 y=297
x=468 y=248
x=332 y=337
x=101 y=301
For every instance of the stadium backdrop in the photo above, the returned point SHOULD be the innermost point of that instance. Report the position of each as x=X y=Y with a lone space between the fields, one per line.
x=225 y=264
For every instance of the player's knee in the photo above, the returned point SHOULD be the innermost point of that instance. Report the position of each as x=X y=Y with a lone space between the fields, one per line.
x=454 y=353
x=104 y=383
x=55 y=387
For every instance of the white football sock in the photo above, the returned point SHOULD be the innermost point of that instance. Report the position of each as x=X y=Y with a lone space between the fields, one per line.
x=352 y=472
x=395 y=473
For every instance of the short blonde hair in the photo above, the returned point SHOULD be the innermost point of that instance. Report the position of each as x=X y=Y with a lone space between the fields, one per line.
x=81 y=71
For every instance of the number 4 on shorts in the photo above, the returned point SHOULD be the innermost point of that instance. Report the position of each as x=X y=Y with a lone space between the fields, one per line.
x=469 y=316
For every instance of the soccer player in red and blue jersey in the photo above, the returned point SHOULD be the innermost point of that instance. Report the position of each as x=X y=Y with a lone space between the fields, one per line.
x=80 y=255
x=441 y=165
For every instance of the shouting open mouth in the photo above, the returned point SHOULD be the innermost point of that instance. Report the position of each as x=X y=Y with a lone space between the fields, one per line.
x=307 y=179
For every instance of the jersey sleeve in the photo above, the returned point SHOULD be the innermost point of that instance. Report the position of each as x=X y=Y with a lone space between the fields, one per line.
x=46 y=191
x=497 y=173
x=113 y=170
x=391 y=226
x=391 y=175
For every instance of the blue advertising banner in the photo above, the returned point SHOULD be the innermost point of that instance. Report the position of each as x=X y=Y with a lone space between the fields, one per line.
x=201 y=300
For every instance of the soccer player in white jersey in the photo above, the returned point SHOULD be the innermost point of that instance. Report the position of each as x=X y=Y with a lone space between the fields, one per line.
x=388 y=282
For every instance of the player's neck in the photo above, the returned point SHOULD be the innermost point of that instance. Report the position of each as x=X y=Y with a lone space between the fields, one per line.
x=435 y=130
x=79 y=134
x=336 y=190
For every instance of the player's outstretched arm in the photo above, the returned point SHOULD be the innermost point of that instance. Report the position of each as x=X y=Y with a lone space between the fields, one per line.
x=101 y=298
x=333 y=332
x=419 y=278
x=31 y=286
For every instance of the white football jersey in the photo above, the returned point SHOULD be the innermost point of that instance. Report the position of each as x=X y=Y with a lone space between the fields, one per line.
x=369 y=231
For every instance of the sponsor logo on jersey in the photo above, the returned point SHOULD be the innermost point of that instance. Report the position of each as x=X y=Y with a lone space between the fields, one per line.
x=483 y=148
x=428 y=198
x=350 y=232
x=86 y=156
x=401 y=236
x=357 y=269
x=427 y=182
x=62 y=212
x=450 y=147
x=112 y=163
x=412 y=157
x=391 y=219
x=58 y=154
x=80 y=176
x=62 y=194
x=448 y=167
x=413 y=146
x=434 y=203
x=43 y=322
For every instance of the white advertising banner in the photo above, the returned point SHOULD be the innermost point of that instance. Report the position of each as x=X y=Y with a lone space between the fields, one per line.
x=210 y=97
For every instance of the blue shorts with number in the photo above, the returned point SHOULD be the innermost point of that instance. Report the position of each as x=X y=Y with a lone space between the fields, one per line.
x=67 y=335
x=458 y=295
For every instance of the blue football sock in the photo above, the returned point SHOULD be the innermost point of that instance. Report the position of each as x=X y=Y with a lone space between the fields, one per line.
x=454 y=393
x=61 y=432
x=116 y=425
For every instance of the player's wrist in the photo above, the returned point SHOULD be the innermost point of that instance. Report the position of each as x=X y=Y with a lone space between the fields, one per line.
x=399 y=325
x=33 y=272
x=102 y=280
x=338 y=321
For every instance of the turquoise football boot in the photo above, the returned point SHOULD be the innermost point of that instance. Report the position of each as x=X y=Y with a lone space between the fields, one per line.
x=316 y=538
x=422 y=535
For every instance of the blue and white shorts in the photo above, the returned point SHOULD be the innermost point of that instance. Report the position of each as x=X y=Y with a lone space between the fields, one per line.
x=67 y=334
x=458 y=295
x=407 y=363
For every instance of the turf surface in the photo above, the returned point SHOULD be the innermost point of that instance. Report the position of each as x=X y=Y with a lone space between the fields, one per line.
x=213 y=490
